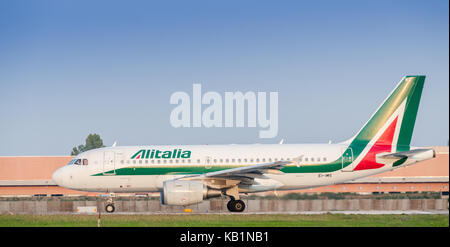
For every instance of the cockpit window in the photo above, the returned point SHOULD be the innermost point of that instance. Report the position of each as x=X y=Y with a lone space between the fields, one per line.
x=72 y=162
x=83 y=162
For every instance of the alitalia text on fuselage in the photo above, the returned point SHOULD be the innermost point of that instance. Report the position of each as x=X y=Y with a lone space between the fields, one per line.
x=162 y=154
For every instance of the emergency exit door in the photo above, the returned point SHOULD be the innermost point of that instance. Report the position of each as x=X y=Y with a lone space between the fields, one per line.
x=347 y=160
x=207 y=161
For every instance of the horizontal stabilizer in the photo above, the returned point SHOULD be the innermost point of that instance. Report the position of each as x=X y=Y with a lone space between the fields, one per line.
x=413 y=155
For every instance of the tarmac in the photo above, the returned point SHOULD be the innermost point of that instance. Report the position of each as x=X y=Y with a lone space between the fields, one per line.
x=380 y=212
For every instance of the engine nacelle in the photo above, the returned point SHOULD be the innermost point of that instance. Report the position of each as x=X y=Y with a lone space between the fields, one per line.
x=178 y=192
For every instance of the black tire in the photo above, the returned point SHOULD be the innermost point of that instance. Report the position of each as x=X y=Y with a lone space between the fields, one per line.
x=230 y=205
x=236 y=206
x=110 y=208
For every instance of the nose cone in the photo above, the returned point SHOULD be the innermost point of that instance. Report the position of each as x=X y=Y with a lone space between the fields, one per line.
x=57 y=177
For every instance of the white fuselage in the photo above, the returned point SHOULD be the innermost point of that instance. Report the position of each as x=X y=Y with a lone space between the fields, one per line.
x=114 y=169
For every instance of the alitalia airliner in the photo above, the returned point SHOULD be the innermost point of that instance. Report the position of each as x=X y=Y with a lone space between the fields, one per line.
x=189 y=174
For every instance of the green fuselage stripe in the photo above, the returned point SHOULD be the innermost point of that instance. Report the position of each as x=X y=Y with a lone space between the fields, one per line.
x=183 y=170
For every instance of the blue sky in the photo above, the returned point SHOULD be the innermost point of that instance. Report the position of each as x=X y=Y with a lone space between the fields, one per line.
x=70 y=68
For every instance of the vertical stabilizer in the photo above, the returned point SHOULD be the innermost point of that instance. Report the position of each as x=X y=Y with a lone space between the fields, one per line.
x=393 y=122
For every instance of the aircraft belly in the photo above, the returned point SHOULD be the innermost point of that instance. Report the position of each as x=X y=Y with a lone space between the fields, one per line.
x=134 y=183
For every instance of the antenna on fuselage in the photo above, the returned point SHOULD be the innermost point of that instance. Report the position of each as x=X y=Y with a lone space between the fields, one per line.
x=114 y=144
x=282 y=140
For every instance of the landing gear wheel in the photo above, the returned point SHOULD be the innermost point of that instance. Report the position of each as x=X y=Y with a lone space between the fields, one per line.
x=110 y=208
x=236 y=206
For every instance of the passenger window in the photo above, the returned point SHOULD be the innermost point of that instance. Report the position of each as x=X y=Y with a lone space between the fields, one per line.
x=159 y=161
x=312 y=159
x=215 y=160
x=232 y=160
x=324 y=159
x=257 y=160
x=140 y=161
x=245 y=160
x=306 y=159
x=153 y=161
x=239 y=160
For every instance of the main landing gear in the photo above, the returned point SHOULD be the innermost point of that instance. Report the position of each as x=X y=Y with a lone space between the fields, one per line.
x=234 y=205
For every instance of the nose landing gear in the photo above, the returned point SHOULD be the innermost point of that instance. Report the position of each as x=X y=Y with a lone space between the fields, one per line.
x=110 y=206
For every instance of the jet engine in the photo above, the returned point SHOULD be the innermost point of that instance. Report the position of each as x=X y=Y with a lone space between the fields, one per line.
x=178 y=192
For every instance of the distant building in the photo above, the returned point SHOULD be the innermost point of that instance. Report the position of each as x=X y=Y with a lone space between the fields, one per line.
x=31 y=175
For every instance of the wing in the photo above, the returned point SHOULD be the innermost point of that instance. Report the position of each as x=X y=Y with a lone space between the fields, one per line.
x=241 y=175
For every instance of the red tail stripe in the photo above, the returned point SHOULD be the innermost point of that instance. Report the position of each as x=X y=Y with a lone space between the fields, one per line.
x=383 y=144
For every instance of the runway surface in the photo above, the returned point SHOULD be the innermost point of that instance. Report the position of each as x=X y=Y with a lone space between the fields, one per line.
x=374 y=212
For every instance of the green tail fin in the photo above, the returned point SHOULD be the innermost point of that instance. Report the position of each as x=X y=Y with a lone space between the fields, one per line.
x=394 y=119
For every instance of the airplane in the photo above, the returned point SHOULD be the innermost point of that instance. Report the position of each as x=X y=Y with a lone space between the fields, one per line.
x=189 y=174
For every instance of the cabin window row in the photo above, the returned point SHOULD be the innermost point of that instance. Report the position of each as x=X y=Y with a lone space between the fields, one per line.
x=215 y=161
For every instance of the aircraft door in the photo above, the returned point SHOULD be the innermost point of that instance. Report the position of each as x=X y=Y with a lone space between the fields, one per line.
x=347 y=159
x=109 y=163
x=207 y=161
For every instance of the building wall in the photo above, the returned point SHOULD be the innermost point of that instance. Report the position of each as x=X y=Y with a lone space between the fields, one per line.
x=31 y=175
x=30 y=167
